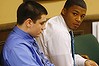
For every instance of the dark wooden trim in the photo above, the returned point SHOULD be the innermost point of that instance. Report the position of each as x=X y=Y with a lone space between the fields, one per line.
x=91 y=18
x=4 y=32
x=7 y=26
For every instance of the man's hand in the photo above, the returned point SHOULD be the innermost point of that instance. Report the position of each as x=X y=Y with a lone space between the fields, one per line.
x=90 y=63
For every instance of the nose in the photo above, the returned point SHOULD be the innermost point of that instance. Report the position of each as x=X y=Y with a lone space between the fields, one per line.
x=43 y=27
x=78 y=19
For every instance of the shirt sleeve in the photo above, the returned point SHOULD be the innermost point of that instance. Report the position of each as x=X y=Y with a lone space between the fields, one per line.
x=79 y=60
x=22 y=56
x=58 y=45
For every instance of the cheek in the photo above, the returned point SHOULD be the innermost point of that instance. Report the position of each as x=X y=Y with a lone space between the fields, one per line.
x=70 y=23
x=38 y=28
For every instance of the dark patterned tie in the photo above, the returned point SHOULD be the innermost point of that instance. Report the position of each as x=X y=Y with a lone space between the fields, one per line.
x=41 y=54
x=72 y=46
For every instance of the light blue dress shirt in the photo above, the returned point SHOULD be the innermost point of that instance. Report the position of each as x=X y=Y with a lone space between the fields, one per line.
x=21 y=49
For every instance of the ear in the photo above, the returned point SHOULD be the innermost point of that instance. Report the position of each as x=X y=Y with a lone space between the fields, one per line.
x=63 y=11
x=28 y=22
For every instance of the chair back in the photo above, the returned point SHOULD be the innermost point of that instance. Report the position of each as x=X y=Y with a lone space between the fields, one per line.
x=87 y=45
x=1 y=56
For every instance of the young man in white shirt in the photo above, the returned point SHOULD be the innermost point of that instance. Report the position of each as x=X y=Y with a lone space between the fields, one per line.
x=56 y=40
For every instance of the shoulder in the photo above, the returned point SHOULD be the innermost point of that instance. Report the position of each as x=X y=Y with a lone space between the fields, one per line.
x=54 y=19
x=14 y=41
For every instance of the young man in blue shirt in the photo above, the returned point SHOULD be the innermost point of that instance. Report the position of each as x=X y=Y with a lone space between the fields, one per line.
x=20 y=48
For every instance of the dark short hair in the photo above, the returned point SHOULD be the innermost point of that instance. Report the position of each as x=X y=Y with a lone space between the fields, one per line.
x=70 y=3
x=30 y=9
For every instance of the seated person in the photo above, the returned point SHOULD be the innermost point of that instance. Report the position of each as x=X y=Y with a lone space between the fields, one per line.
x=20 y=48
x=56 y=40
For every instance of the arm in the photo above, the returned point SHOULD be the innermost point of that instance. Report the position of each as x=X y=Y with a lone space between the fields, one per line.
x=22 y=56
x=58 y=46
x=59 y=51
x=84 y=61
x=79 y=60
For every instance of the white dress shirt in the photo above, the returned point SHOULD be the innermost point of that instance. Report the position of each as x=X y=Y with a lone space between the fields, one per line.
x=56 y=43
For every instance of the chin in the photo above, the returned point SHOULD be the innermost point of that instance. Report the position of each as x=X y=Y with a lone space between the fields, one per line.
x=74 y=28
x=37 y=35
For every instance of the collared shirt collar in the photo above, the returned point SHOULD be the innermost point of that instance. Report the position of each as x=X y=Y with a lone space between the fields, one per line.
x=65 y=23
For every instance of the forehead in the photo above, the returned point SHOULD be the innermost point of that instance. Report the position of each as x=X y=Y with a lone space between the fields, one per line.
x=77 y=9
x=42 y=19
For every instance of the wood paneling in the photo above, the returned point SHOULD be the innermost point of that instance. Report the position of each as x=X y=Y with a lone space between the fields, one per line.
x=85 y=27
x=4 y=32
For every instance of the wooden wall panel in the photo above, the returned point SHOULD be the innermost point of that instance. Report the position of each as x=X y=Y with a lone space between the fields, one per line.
x=4 y=32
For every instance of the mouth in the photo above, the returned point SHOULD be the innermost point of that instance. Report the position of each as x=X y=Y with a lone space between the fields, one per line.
x=39 y=33
x=76 y=25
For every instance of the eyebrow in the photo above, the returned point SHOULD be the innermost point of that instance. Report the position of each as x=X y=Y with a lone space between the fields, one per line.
x=76 y=11
x=43 y=22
